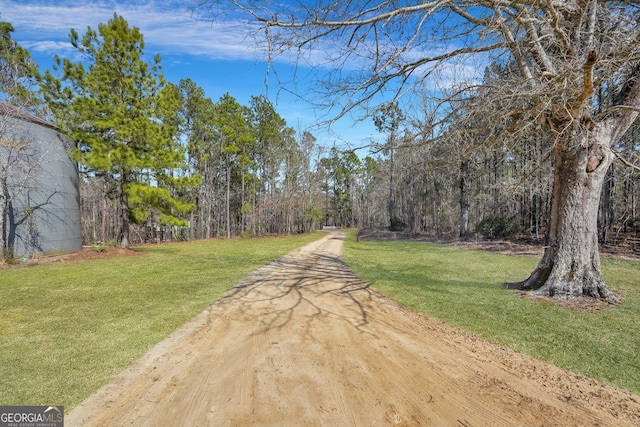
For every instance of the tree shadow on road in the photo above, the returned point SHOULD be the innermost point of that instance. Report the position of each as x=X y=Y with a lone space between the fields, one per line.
x=302 y=287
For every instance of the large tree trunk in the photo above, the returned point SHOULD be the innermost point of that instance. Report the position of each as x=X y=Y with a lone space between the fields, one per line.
x=570 y=266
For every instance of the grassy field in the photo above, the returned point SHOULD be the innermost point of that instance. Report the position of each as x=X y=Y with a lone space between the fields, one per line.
x=68 y=328
x=463 y=287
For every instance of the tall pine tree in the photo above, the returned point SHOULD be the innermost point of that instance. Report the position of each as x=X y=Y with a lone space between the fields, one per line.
x=112 y=103
x=234 y=134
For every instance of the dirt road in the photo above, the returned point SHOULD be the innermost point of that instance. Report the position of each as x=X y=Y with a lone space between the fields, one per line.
x=303 y=342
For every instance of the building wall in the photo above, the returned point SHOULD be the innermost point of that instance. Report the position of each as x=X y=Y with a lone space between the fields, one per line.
x=43 y=215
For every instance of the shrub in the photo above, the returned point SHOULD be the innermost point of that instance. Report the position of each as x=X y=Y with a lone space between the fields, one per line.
x=498 y=227
x=397 y=224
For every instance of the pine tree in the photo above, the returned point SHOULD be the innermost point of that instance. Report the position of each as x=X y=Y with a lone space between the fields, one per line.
x=114 y=106
x=18 y=72
x=235 y=136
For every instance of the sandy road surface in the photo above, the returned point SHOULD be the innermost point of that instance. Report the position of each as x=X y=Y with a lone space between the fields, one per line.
x=303 y=342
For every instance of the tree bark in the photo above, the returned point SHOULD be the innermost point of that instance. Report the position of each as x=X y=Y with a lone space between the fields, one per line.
x=437 y=205
x=464 y=199
x=570 y=266
x=124 y=214
x=4 y=197
x=104 y=214
x=392 y=202
x=607 y=213
x=228 y=201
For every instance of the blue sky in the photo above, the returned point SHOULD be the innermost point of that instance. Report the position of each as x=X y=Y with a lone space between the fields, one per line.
x=212 y=53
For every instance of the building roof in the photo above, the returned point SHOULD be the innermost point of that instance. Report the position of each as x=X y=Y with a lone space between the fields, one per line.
x=15 y=112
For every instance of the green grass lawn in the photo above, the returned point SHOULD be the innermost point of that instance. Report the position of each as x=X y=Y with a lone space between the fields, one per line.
x=463 y=287
x=67 y=328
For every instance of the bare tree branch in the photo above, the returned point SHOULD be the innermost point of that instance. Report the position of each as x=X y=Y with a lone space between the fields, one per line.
x=625 y=161
x=355 y=21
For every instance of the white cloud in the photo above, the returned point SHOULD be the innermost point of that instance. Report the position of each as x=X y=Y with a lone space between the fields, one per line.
x=185 y=39
x=167 y=27
x=49 y=47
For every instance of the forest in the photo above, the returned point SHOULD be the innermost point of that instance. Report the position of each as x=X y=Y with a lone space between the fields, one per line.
x=161 y=161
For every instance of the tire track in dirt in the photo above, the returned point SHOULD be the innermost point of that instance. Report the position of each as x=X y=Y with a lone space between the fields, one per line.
x=304 y=342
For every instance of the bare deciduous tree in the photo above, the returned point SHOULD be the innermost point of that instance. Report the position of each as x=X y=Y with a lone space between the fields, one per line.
x=558 y=53
x=16 y=170
x=18 y=163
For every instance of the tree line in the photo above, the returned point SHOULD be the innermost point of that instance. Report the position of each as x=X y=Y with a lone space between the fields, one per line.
x=564 y=73
x=162 y=161
x=525 y=150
